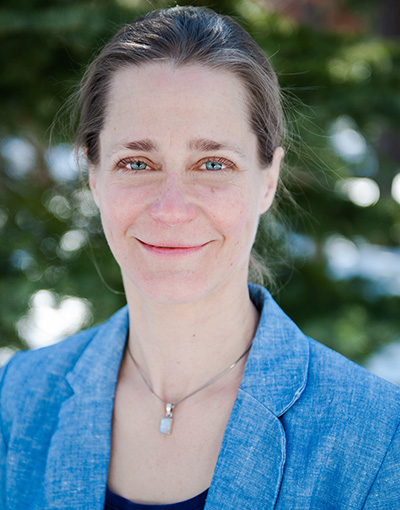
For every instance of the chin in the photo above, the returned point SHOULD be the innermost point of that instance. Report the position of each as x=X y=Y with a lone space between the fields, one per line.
x=182 y=289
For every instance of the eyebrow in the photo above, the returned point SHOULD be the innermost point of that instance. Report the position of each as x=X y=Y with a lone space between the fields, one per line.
x=145 y=145
x=199 y=144
x=205 y=145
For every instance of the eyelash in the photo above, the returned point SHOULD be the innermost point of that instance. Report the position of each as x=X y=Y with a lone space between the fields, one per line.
x=222 y=161
x=123 y=163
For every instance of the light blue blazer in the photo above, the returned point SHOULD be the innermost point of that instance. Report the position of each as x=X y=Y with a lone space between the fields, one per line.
x=308 y=430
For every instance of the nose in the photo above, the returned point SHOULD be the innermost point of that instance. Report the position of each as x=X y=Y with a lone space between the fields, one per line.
x=173 y=205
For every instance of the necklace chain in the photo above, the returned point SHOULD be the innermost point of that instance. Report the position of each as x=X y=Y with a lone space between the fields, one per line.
x=166 y=423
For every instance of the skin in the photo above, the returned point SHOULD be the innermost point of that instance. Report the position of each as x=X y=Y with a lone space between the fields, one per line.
x=180 y=189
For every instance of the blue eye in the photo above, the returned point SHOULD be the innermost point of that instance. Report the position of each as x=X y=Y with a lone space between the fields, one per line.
x=213 y=165
x=137 y=165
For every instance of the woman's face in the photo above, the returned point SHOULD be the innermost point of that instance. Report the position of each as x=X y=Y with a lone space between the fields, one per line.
x=179 y=185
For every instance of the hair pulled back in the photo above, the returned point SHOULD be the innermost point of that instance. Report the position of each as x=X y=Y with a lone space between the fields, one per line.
x=182 y=36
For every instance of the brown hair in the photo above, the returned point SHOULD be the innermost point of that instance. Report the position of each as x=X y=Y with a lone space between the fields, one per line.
x=184 y=35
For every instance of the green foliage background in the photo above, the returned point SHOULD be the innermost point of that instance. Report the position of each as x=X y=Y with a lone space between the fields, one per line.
x=325 y=74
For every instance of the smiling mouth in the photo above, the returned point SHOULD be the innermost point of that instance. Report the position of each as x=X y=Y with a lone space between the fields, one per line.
x=176 y=249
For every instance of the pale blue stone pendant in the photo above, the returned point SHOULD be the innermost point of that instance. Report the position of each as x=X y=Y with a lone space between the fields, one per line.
x=166 y=423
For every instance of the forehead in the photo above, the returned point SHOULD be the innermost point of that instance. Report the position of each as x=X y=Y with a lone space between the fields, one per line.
x=189 y=80
x=184 y=99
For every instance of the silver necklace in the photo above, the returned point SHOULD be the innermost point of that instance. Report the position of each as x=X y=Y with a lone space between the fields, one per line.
x=166 y=422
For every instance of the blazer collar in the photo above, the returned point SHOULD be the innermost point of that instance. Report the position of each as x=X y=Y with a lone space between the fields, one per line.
x=96 y=371
x=277 y=366
x=275 y=372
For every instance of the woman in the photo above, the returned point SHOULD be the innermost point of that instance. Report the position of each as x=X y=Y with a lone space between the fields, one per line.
x=200 y=393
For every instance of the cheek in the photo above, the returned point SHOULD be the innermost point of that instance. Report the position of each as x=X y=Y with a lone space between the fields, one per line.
x=119 y=206
x=237 y=218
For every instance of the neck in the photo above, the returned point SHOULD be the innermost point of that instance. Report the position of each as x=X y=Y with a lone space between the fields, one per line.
x=180 y=347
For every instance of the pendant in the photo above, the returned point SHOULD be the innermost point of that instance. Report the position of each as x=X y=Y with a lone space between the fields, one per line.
x=166 y=423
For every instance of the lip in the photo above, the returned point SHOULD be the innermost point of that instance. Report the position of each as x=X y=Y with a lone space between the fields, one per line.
x=171 y=250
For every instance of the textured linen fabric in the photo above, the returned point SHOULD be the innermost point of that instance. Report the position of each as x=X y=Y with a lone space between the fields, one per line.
x=308 y=430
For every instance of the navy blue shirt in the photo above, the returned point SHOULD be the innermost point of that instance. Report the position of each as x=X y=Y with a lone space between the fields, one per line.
x=115 y=502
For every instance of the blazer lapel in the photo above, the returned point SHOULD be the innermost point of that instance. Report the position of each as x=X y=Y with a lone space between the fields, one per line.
x=251 y=462
x=78 y=456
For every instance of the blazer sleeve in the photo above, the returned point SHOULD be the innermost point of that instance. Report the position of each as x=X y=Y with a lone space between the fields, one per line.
x=3 y=450
x=385 y=491
x=2 y=472
x=8 y=400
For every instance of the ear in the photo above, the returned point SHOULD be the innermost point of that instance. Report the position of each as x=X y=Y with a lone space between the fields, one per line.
x=270 y=178
x=93 y=176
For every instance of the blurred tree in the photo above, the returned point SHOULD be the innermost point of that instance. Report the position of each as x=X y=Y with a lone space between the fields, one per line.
x=340 y=78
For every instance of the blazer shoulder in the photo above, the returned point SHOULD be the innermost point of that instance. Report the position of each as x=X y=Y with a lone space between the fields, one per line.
x=337 y=365
x=351 y=386
x=53 y=359
x=39 y=370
